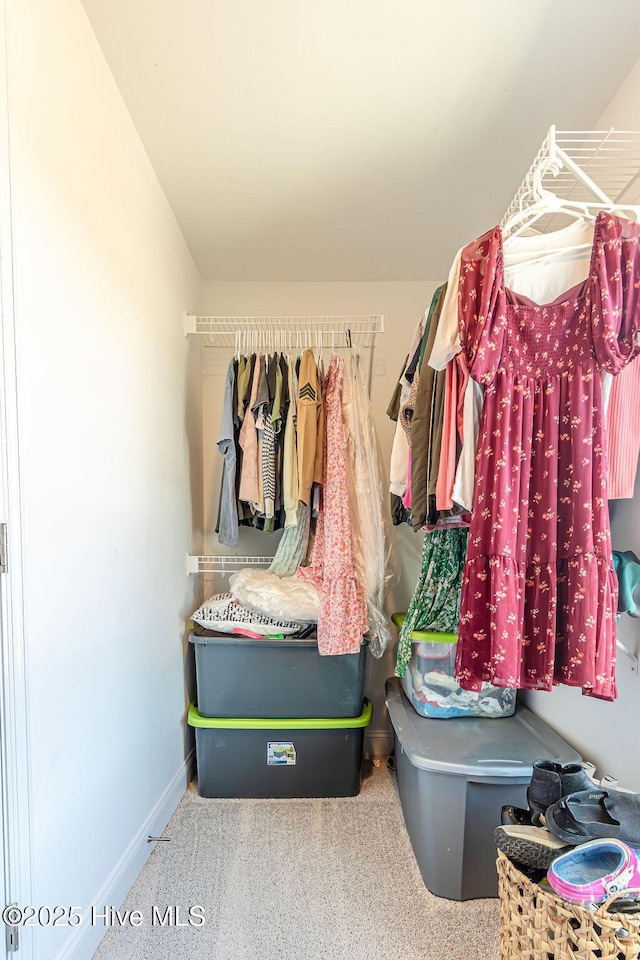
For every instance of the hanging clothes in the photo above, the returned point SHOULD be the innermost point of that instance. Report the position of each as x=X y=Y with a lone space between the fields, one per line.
x=421 y=419
x=290 y=476
x=447 y=464
x=406 y=500
x=268 y=466
x=245 y=370
x=243 y=390
x=539 y=597
x=435 y=604
x=405 y=415
x=264 y=409
x=399 y=471
x=343 y=614
x=310 y=426
x=405 y=412
x=399 y=513
x=446 y=346
x=372 y=548
x=627 y=567
x=464 y=480
x=623 y=433
x=228 y=510
x=249 y=491
x=278 y=421
x=264 y=421
x=421 y=433
x=261 y=412
x=437 y=422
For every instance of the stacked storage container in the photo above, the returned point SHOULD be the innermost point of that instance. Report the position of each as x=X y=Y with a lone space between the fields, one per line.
x=275 y=719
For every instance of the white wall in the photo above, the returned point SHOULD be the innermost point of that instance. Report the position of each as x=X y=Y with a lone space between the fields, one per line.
x=402 y=304
x=607 y=733
x=110 y=436
x=623 y=113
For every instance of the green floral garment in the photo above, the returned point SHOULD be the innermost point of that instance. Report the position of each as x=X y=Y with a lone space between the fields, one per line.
x=436 y=602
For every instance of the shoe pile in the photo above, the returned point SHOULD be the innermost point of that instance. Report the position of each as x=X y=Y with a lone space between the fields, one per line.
x=584 y=835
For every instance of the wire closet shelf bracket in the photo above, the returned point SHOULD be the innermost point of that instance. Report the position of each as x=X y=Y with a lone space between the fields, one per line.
x=597 y=169
x=223 y=564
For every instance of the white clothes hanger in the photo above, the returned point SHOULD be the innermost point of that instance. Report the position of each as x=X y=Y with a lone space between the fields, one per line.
x=539 y=202
x=535 y=201
x=547 y=204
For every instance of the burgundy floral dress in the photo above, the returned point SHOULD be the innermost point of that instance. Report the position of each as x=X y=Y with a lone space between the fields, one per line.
x=539 y=591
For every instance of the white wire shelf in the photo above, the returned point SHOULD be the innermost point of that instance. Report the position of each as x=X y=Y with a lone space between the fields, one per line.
x=280 y=333
x=222 y=564
x=600 y=168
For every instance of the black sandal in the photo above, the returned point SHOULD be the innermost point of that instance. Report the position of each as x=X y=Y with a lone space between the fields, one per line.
x=596 y=815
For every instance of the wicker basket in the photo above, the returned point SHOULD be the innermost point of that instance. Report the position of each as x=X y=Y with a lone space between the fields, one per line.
x=535 y=924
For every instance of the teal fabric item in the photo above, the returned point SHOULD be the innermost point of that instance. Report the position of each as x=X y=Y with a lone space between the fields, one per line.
x=627 y=567
x=292 y=549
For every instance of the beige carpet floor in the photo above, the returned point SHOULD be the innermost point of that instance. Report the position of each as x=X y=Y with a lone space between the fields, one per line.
x=298 y=880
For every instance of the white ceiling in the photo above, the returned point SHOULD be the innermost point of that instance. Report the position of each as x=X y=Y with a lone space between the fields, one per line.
x=354 y=139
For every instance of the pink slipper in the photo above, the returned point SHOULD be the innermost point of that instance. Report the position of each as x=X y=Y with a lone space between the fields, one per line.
x=594 y=871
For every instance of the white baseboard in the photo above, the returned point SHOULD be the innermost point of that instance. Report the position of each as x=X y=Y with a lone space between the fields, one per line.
x=83 y=941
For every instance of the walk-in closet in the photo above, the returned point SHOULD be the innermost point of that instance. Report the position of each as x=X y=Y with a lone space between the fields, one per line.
x=319 y=497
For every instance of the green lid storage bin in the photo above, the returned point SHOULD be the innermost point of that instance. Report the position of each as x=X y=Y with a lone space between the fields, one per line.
x=274 y=677
x=264 y=758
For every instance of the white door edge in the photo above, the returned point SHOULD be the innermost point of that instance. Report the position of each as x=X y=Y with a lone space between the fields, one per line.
x=14 y=731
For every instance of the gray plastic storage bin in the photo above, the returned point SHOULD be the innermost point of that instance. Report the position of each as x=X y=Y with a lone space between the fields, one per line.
x=279 y=758
x=454 y=778
x=242 y=677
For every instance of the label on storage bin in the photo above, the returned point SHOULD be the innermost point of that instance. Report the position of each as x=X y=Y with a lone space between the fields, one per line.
x=280 y=754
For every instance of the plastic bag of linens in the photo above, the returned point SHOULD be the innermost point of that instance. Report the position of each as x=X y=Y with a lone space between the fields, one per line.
x=434 y=692
x=283 y=598
x=375 y=562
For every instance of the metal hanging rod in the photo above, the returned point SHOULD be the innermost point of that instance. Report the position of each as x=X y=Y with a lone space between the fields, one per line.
x=224 y=565
x=294 y=332
x=596 y=168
